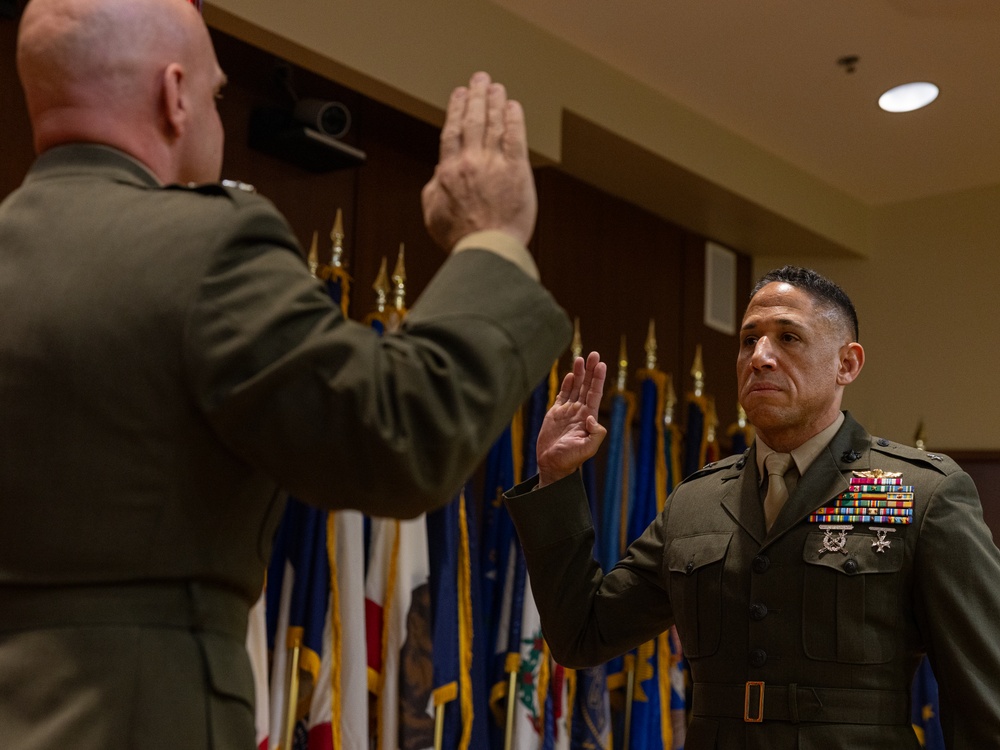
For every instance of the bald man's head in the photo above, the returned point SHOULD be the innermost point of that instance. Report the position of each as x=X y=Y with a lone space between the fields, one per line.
x=133 y=74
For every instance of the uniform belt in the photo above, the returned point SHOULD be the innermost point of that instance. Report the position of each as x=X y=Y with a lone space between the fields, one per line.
x=757 y=701
x=190 y=606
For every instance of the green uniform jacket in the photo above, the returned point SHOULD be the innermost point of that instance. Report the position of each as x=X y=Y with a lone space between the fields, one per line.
x=834 y=636
x=167 y=363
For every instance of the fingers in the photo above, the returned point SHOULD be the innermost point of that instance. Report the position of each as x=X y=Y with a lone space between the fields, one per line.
x=595 y=429
x=564 y=390
x=451 y=133
x=578 y=375
x=474 y=122
x=515 y=134
x=496 y=106
x=596 y=374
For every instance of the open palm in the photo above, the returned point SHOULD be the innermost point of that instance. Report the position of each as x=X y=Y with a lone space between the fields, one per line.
x=570 y=433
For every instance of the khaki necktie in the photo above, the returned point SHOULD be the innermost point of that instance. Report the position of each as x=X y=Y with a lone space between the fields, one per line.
x=777 y=465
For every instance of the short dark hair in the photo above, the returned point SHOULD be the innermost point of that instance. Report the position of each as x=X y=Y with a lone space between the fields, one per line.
x=823 y=291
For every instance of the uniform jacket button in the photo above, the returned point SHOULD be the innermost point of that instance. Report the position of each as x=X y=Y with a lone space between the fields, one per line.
x=758 y=657
x=688 y=568
x=851 y=566
x=758 y=611
x=760 y=563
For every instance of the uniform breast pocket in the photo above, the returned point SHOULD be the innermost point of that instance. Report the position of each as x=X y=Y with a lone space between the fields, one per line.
x=850 y=601
x=694 y=567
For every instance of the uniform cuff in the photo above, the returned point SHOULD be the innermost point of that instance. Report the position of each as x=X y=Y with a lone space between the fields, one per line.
x=548 y=515
x=503 y=245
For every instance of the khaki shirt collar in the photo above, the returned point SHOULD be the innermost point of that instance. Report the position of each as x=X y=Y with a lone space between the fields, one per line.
x=805 y=454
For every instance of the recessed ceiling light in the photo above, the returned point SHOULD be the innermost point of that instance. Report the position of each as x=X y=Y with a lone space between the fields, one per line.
x=908 y=97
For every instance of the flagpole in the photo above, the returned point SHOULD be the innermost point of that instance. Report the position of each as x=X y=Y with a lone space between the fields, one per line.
x=508 y=734
x=293 y=698
x=629 y=698
x=438 y=726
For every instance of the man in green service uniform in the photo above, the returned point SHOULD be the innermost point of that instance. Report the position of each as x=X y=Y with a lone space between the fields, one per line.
x=805 y=601
x=167 y=363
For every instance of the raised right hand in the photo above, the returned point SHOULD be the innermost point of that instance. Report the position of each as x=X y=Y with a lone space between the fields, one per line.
x=483 y=179
x=570 y=432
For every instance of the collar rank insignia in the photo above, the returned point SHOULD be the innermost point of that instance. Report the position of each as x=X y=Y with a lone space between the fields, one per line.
x=874 y=496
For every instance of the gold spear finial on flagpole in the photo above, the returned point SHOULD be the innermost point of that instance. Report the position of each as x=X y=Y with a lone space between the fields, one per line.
x=920 y=437
x=399 y=280
x=698 y=372
x=337 y=236
x=711 y=421
x=741 y=416
x=622 y=365
x=651 y=346
x=576 y=347
x=670 y=401
x=314 y=253
x=381 y=287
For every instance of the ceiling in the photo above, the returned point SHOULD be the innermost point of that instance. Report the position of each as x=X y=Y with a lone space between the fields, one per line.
x=768 y=71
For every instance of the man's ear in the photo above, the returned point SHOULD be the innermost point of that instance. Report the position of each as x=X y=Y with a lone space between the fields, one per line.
x=174 y=104
x=852 y=359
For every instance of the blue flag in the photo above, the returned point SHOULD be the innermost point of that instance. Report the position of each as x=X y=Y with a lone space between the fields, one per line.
x=926 y=710
x=591 y=728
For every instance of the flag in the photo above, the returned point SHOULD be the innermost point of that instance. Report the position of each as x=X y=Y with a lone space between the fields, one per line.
x=257 y=650
x=617 y=480
x=696 y=434
x=333 y=274
x=925 y=708
x=560 y=702
x=651 y=728
x=591 y=725
x=679 y=673
x=452 y=618
x=499 y=569
x=297 y=610
x=532 y=727
x=673 y=440
x=740 y=432
x=680 y=686
x=349 y=669
x=613 y=529
x=712 y=450
x=399 y=645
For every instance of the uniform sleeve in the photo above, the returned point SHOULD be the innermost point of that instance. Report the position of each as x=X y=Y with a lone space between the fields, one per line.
x=958 y=609
x=587 y=616
x=341 y=417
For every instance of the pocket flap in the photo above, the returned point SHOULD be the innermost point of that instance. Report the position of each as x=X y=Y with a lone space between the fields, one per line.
x=228 y=667
x=688 y=553
x=858 y=555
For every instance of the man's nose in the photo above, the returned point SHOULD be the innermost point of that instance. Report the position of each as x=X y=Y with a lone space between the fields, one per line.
x=763 y=354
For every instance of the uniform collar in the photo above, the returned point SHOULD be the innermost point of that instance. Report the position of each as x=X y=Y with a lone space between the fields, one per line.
x=74 y=159
x=806 y=453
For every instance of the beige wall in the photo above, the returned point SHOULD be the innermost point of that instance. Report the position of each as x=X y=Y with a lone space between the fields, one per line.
x=928 y=301
x=921 y=273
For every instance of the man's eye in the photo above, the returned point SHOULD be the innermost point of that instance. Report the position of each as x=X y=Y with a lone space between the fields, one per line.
x=749 y=341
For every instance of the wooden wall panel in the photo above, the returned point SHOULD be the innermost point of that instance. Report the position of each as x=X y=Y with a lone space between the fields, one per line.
x=612 y=265
x=608 y=262
x=16 y=151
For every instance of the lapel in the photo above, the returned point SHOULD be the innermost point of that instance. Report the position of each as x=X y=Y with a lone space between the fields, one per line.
x=827 y=477
x=741 y=496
